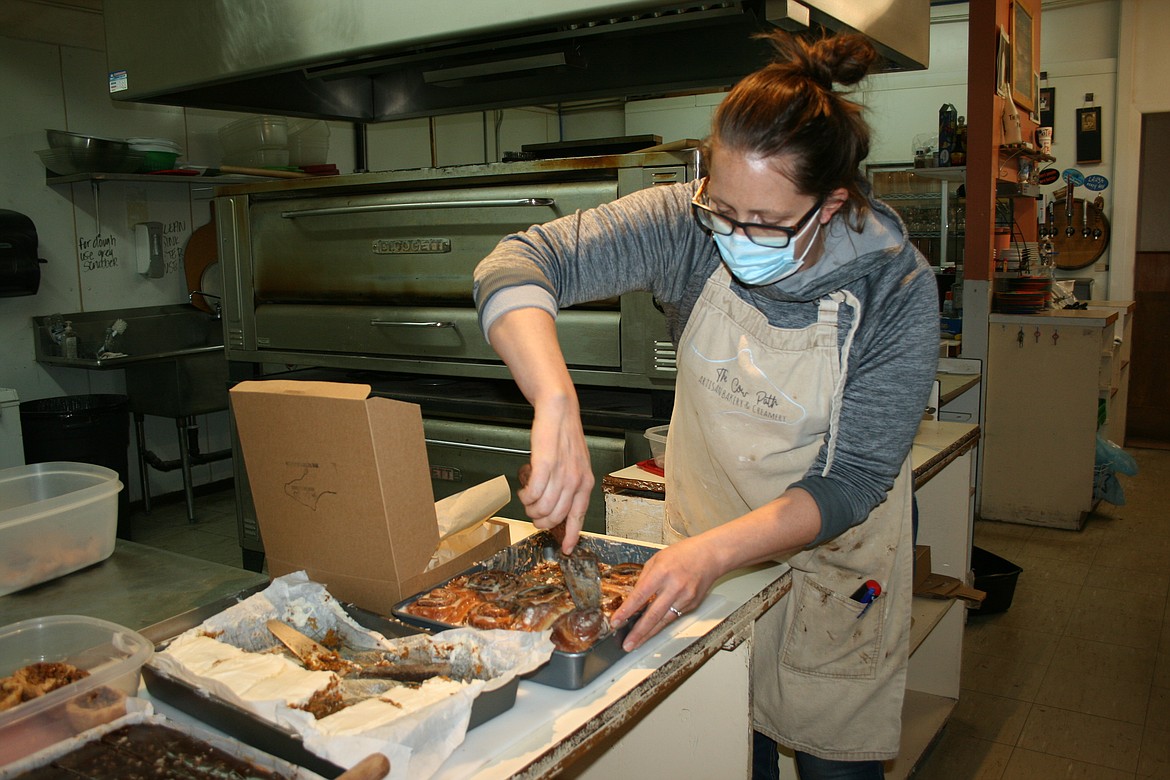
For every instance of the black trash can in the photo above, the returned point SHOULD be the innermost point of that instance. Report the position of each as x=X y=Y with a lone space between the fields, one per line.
x=82 y=429
x=996 y=577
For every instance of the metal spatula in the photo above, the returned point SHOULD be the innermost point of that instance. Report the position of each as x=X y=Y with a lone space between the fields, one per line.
x=580 y=567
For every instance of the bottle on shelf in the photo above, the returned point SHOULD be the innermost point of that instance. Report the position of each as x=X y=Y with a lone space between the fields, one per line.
x=947 y=120
x=948 y=306
x=69 y=343
x=959 y=152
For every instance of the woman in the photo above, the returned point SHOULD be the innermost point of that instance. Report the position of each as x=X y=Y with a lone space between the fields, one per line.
x=807 y=333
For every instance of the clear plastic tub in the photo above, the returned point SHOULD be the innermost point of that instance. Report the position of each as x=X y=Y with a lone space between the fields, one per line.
x=260 y=158
x=657 y=438
x=112 y=655
x=256 y=140
x=308 y=142
x=55 y=518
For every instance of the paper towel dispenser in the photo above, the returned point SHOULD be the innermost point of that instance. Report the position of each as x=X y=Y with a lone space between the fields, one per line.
x=20 y=268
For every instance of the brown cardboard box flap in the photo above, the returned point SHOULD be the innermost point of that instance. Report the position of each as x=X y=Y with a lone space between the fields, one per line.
x=940 y=586
x=378 y=594
x=921 y=565
x=342 y=488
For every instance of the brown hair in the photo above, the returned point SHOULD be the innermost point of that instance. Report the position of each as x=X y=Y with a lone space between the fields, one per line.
x=789 y=107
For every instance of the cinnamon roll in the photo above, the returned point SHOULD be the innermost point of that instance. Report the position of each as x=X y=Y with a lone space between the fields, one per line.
x=622 y=574
x=47 y=676
x=540 y=606
x=445 y=605
x=492 y=584
x=544 y=573
x=494 y=614
x=578 y=630
x=612 y=596
x=101 y=705
x=11 y=693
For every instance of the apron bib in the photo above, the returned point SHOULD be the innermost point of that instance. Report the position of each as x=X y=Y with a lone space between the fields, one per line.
x=753 y=405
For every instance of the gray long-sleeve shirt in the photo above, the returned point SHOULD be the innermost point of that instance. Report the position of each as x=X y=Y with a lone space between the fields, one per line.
x=650 y=241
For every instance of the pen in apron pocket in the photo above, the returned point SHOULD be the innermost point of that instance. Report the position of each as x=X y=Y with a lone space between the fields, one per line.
x=866 y=594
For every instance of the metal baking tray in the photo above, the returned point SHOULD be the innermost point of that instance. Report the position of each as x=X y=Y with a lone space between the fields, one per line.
x=564 y=670
x=261 y=734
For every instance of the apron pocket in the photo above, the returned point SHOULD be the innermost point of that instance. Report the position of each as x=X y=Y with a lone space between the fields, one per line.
x=825 y=637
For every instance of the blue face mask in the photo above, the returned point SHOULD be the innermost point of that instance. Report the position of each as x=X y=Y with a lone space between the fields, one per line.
x=758 y=265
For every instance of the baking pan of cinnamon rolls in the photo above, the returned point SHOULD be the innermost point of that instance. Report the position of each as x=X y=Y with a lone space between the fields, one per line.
x=521 y=588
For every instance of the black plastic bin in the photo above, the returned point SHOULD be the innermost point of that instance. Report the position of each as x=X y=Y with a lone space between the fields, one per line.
x=996 y=577
x=82 y=429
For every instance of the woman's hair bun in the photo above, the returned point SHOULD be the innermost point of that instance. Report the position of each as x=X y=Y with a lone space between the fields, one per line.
x=845 y=58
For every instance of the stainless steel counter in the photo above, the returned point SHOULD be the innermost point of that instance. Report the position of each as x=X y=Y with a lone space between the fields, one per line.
x=135 y=587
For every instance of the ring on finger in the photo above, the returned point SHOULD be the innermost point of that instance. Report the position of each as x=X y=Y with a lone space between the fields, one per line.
x=676 y=611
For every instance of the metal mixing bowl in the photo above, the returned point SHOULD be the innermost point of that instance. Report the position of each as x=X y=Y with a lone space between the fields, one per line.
x=67 y=162
x=63 y=139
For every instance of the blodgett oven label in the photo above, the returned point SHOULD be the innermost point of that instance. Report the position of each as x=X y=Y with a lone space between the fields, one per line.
x=411 y=246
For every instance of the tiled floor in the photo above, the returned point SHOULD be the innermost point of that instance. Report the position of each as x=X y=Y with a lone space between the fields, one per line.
x=1071 y=682
x=212 y=536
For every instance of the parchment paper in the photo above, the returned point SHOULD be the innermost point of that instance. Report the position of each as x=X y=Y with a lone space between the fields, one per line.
x=416 y=733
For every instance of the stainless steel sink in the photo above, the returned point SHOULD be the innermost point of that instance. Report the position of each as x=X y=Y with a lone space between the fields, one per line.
x=175 y=367
x=173 y=355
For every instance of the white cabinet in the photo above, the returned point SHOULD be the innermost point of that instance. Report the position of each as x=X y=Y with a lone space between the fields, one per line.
x=1052 y=378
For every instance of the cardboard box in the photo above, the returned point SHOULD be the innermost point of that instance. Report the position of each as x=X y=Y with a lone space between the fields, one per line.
x=342 y=490
x=921 y=565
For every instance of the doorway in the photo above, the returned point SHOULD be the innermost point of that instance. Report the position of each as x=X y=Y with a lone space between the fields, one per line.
x=1148 y=410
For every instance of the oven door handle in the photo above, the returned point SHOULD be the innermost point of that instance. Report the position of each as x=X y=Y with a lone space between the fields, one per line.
x=432 y=204
x=400 y=324
x=462 y=445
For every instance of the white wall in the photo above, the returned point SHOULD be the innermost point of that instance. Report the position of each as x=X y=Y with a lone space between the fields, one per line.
x=1144 y=88
x=50 y=85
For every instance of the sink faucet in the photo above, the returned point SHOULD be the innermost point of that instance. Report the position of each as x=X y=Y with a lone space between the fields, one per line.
x=218 y=307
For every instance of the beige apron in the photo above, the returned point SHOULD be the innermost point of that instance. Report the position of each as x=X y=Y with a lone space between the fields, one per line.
x=753 y=405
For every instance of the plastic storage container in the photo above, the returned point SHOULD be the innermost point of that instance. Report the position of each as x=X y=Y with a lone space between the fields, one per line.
x=11 y=441
x=91 y=428
x=996 y=577
x=111 y=654
x=657 y=438
x=159 y=154
x=259 y=141
x=308 y=142
x=55 y=518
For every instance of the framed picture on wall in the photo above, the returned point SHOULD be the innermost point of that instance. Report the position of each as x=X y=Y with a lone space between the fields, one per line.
x=1024 y=77
x=1003 y=63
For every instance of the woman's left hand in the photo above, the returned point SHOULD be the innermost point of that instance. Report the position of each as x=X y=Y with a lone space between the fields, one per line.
x=673 y=582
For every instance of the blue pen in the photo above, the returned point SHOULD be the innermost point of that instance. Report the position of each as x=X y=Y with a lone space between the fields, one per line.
x=866 y=594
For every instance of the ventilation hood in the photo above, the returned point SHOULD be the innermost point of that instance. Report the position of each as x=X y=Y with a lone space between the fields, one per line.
x=376 y=60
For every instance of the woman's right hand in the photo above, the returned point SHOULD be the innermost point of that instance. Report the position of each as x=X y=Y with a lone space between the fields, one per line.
x=561 y=477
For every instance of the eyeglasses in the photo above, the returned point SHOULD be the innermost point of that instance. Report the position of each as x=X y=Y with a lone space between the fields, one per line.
x=773 y=236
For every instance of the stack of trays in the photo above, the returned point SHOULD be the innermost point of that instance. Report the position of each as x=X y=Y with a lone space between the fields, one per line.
x=1024 y=295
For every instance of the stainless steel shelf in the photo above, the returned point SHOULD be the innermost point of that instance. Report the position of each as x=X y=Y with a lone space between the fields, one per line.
x=77 y=178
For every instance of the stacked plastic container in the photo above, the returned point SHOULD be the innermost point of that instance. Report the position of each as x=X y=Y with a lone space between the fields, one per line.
x=274 y=142
x=55 y=518
x=258 y=142
x=110 y=654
